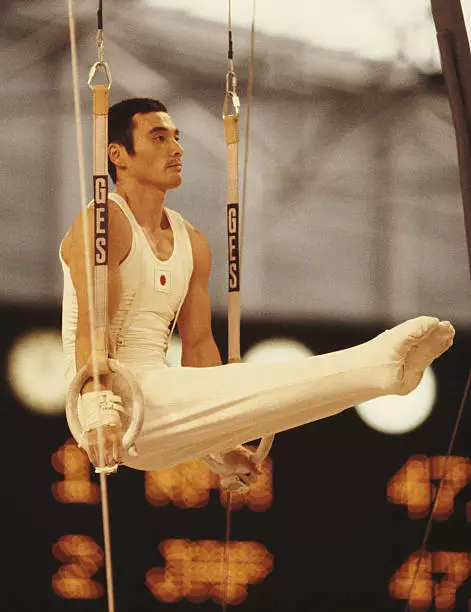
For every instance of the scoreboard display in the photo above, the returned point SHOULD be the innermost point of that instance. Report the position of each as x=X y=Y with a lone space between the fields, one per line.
x=335 y=522
x=195 y=570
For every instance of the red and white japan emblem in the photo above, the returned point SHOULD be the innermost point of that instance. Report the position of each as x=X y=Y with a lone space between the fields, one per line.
x=162 y=280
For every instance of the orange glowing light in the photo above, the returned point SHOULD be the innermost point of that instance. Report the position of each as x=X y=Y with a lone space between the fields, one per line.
x=189 y=485
x=451 y=570
x=83 y=558
x=76 y=488
x=413 y=486
x=197 y=570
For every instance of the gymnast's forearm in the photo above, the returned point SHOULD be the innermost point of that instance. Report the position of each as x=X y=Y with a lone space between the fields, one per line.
x=83 y=351
x=202 y=354
x=83 y=348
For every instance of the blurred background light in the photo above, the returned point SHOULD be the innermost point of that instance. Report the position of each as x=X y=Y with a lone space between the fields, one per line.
x=276 y=350
x=397 y=414
x=36 y=371
x=273 y=350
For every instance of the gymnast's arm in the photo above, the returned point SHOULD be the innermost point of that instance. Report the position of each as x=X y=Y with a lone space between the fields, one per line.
x=74 y=256
x=199 y=349
x=119 y=246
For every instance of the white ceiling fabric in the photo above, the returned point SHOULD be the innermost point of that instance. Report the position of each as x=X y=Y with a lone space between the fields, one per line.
x=373 y=29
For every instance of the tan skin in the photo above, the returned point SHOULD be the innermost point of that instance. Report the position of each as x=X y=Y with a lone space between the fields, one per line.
x=143 y=179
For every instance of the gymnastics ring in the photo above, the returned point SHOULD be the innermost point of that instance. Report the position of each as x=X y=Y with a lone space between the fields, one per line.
x=137 y=404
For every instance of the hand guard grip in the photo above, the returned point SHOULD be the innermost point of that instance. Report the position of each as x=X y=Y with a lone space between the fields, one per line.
x=99 y=408
x=137 y=404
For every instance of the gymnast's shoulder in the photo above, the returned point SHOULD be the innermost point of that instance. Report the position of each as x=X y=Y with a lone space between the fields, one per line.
x=199 y=245
x=118 y=226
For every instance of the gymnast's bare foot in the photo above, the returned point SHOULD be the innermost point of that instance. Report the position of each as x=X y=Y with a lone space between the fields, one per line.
x=417 y=343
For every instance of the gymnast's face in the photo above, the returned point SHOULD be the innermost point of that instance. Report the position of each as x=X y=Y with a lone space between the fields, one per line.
x=157 y=157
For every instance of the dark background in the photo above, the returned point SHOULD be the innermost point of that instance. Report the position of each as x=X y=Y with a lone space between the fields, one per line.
x=335 y=538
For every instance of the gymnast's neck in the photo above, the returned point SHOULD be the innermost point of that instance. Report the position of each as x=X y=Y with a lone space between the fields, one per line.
x=146 y=202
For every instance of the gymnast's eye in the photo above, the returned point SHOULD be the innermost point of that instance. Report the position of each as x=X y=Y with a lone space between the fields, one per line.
x=158 y=136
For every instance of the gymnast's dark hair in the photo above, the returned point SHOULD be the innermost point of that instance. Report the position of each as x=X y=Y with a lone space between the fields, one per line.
x=120 y=123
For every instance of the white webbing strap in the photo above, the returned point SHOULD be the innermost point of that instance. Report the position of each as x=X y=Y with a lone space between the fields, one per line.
x=91 y=305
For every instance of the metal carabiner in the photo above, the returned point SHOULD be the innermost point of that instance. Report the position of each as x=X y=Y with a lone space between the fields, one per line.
x=231 y=99
x=94 y=70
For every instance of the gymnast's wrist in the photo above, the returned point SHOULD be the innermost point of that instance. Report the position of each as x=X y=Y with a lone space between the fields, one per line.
x=103 y=384
x=99 y=408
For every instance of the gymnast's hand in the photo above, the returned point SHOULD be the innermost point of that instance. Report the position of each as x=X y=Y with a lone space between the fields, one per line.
x=112 y=437
x=101 y=410
x=241 y=461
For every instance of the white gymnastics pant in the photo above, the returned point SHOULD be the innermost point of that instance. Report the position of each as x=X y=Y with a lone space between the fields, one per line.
x=191 y=412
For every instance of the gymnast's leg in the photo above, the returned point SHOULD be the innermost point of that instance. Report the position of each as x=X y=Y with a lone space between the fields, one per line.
x=191 y=412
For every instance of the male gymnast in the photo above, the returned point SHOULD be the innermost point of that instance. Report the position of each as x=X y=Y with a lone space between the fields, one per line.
x=159 y=268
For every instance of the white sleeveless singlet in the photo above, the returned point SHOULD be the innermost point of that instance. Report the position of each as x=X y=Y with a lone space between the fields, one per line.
x=152 y=293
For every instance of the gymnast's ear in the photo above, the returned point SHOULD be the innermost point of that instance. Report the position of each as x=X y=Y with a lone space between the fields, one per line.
x=118 y=154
